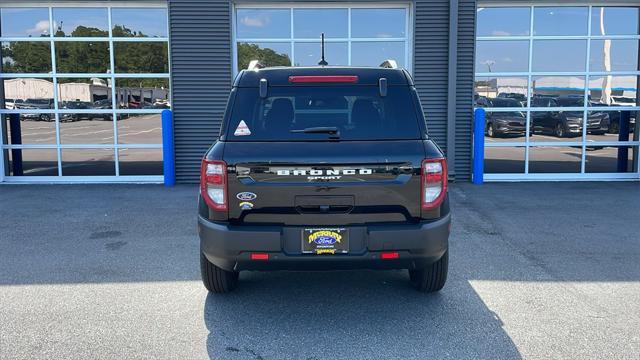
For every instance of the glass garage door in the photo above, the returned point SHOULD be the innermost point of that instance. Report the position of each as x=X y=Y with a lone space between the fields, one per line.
x=557 y=83
x=82 y=91
x=289 y=35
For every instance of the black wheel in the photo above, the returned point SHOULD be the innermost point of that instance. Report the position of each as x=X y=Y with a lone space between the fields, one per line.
x=45 y=117
x=559 y=130
x=490 y=131
x=431 y=278
x=215 y=279
x=614 y=127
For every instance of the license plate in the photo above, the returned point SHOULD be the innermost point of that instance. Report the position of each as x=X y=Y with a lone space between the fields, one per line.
x=325 y=241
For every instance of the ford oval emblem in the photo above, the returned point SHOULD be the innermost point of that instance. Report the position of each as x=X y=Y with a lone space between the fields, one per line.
x=246 y=196
x=325 y=240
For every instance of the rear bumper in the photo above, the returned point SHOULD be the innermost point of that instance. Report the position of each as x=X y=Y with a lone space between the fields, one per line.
x=230 y=247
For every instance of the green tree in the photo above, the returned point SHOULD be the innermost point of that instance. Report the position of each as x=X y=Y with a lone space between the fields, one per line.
x=26 y=57
x=269 y=57
x=141 y=57
x=83 y=57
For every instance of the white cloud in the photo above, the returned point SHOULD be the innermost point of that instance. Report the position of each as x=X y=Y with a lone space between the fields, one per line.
x=41 y=27
x=500 y=33
x=259 y=21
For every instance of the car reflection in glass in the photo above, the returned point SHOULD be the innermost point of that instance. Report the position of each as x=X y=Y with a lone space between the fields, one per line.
x=615 y=116
x=81 y=105
x=34 y=104
x=564 y=124
x=503 y=124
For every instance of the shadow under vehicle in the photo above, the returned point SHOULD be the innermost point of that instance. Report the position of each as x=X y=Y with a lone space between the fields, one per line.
x=35 y=104
x=566 y=123
x=510 y=123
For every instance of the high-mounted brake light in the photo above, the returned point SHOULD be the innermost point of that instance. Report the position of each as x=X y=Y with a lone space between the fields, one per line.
x=434 y=182
x=299 y=79
x=213 y=184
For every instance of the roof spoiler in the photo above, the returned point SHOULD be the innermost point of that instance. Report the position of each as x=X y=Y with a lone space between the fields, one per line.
x=389 y=64
x=255 y=65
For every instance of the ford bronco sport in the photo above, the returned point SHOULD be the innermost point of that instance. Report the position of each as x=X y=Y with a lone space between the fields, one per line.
x=323 y=168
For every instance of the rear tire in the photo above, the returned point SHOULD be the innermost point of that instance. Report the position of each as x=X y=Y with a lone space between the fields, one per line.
x=215 y=279
x=431 y=278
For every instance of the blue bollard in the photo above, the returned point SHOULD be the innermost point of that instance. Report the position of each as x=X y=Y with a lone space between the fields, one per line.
x=168 y=150
x=623 y=135
x=478 y=147
x=16 y=139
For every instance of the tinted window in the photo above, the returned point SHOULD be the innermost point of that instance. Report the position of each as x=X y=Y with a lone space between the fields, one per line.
x=358 y=112
x=570 y=101
x=505 y=103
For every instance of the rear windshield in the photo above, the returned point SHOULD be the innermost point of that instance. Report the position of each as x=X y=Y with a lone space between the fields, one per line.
x=356 y=112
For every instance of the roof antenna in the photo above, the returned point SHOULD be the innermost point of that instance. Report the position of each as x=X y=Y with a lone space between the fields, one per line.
x=322 y=61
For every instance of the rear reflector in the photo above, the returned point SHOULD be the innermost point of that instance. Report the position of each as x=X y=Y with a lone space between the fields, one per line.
x=389 y=255
x=259 y=256
x=299 y=79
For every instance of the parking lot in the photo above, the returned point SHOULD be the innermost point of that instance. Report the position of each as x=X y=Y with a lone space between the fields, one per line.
x=545 y=270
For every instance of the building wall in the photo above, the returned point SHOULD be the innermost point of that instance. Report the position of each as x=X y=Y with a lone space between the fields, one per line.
x=201 y=59
x=200 y=40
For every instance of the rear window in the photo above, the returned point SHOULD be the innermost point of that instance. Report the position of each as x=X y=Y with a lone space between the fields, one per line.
x=357 y=112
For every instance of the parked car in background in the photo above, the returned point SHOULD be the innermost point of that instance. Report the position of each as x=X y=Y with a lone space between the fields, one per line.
x=510 y=123
x=35 y=104
x=82 y=105
x=104 y=104
x=9 y=104
x=615 y=117
x=623 y=101
x=156 y=106
x=515 y=96
x=566 y=123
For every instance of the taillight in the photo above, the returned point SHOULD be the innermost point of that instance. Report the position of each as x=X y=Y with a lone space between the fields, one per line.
x=434 y=182
x=213 y=184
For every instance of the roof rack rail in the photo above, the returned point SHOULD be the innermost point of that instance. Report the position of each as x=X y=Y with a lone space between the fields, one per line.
x=255 y=65
x=389 y=64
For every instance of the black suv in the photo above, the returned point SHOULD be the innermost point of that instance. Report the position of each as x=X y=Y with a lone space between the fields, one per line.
x=323 y=168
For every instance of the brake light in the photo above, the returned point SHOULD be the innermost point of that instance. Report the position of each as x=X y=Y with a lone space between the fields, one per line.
x=323 y=79
x=213 y=184
x=434 y=182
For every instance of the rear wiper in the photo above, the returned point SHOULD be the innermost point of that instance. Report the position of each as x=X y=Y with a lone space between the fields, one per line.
x=331 y=130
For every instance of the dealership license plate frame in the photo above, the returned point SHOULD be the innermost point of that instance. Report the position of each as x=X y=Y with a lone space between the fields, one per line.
x=310 y=246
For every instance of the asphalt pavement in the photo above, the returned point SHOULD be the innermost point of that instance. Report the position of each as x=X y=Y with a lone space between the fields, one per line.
x=537 y=270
